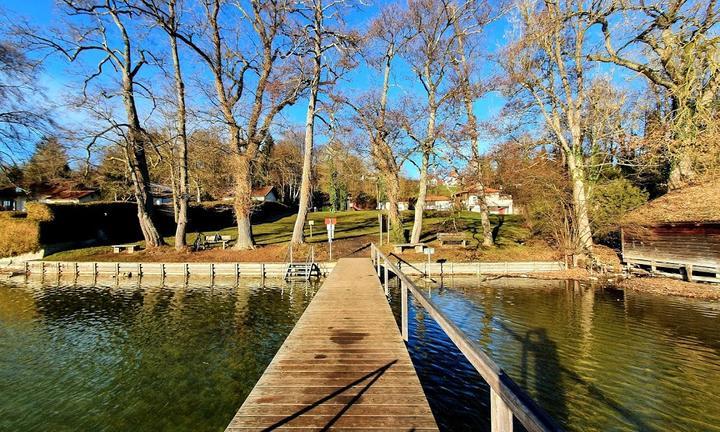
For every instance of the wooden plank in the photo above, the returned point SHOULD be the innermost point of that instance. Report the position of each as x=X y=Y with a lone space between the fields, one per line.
x=344 y=365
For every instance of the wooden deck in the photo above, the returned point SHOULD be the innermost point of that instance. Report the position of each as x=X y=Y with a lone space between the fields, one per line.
x=343 y=367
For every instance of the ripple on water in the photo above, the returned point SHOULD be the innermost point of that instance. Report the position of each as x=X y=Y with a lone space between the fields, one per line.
x=116 y=359
x=596 y=359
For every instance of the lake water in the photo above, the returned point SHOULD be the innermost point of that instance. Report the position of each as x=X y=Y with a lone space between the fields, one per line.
x=595 y=359
x=77 y=358
x=137 y=359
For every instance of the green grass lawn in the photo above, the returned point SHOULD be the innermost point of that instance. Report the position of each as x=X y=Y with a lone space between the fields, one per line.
x=352 y=224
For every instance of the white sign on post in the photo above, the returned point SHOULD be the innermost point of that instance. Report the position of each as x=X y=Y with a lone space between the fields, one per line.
x=330 y=225
x=429 y=252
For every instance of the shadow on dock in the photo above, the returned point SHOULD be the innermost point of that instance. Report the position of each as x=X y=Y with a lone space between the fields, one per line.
x=371 y=376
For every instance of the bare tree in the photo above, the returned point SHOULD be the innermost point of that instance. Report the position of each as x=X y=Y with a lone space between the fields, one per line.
x=546 y=67
x=104 y=28
x=21 y=117
x=324 y=39
x=430 y=56
x=388 y=36
x=257 y=70
x=169 y=21
x=468 y=20
x=674 y=44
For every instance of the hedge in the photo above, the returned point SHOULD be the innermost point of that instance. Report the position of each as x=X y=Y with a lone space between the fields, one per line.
x=107 y=223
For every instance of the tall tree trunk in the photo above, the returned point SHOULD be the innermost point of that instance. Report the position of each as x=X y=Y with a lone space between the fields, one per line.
x=422 y=194
x=488 y=240
x=298 y=236
x=463 y=69
x=139 y=171
x=385 y=159
x=139 y=175
x=392 y=190
x=576 y=170
x=183 y=186
x=243 y=202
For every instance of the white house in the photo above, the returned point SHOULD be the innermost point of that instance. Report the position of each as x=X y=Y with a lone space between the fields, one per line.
x=264 y=194
x=438 y=202
x=497 y=201
x=402 y=205
x=13 y=198
x=64 y=194
x=161 y=194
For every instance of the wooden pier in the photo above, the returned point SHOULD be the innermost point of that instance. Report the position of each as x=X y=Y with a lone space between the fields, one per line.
x=343 y=366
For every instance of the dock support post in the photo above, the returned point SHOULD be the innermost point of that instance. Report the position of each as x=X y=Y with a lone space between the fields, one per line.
x=501 y=417
x=27 y=271
x=404 y=313
x=162 y=274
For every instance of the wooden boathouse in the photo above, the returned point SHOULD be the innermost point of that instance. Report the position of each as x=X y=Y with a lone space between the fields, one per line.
x=345 y=366
x=677 y=234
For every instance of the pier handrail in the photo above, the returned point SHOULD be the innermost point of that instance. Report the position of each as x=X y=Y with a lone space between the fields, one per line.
x=507 y=399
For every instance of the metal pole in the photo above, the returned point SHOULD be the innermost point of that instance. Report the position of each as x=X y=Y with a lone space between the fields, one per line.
x=404 y=313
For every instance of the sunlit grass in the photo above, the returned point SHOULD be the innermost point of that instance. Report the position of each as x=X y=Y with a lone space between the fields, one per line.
x=350 y=224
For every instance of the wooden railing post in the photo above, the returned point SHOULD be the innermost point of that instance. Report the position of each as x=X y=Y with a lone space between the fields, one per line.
x=387 y=291
x=404 y=312
x=501 y=416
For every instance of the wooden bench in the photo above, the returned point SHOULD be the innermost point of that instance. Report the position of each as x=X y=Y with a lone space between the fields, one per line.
x=130 y=248
x=452 y=239
x=214 y=240
x=400 y=248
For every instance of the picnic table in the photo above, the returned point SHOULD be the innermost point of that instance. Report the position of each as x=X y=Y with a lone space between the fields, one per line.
x=400 y=248
x=130 y=248
x=452 y=239
x=223 y=240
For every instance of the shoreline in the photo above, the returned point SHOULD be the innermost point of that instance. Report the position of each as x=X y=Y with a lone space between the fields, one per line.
x=671 y=287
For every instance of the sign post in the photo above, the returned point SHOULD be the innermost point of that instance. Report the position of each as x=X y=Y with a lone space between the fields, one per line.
x=428 y=251
x=380 y=222
x=330 y=225
x=311 y=223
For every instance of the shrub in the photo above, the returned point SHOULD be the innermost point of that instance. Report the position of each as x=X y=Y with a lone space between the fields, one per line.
x=611 y=200
x=39 y=212
x=18 y=235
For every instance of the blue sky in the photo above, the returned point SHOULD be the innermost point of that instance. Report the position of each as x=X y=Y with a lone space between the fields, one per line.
x=59 y=81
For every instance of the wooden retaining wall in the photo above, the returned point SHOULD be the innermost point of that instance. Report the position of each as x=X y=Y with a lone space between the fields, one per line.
x=272 y=269
x=163 y=269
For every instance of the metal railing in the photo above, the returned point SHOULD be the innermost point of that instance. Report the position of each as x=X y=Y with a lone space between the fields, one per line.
x=507 y=399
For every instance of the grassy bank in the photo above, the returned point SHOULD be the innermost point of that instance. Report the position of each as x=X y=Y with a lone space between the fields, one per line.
x=354 y=231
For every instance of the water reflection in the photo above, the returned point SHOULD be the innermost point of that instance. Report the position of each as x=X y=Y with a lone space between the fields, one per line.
x=129 y=358
x=595 y=359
